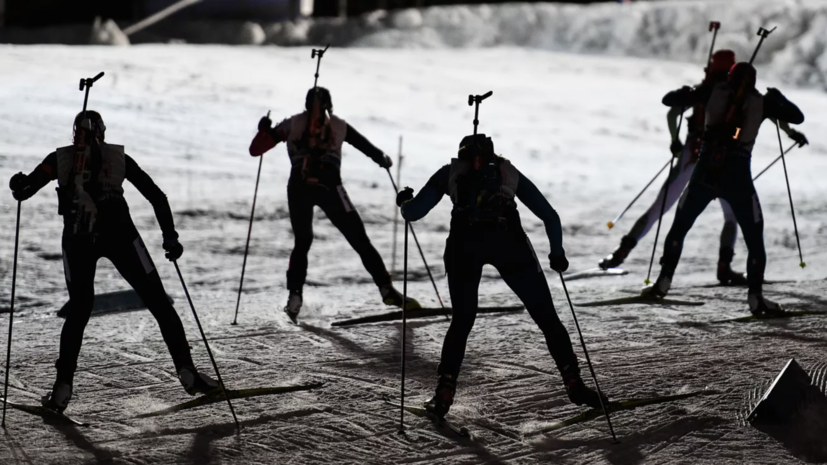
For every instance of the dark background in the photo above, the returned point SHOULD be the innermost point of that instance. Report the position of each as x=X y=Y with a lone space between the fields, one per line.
x=37 y=13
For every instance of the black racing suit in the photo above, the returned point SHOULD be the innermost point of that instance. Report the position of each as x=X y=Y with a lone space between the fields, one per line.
x=327 y=192
x=506 y=247
x=114 y=237
x=723 y=171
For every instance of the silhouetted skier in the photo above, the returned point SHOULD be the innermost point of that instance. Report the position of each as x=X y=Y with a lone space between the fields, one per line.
x=734 y=113
x=314 y=141
x=486 y=230
x=687 y=155
x=90 y=176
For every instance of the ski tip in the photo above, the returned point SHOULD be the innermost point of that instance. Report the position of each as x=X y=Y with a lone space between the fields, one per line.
x=610 y=225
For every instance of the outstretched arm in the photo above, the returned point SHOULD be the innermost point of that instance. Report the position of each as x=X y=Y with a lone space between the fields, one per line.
x=268 y=137
x=531 y=197
x=154 y=195
x=776 y=106
x=686 y=96
x=24 y=187
x=428 y=197
x=356 y=139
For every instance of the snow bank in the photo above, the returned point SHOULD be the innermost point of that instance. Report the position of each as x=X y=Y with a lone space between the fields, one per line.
x=674 y=30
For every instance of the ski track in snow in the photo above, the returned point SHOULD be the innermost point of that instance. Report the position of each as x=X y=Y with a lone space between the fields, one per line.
x=589 y=131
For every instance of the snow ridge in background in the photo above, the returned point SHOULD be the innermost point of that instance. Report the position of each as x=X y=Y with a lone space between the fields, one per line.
x=673 y=30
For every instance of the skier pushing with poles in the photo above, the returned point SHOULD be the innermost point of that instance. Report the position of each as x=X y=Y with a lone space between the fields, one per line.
x=314 y=141
x=486 y=229
x=90 y=175
x=716 y=72
x=734 y=111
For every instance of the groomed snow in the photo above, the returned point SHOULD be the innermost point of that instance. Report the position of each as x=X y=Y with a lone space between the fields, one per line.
x=588 y=130
x=671 y=30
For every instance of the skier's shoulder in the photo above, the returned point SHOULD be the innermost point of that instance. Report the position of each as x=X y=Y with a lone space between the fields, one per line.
x=113 y=148
x=334 y=119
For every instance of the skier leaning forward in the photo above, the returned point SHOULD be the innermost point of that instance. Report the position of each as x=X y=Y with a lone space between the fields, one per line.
x=314 y=143
x=734 y=113
x=96 y=223
x=486 y=230
x=687 y=154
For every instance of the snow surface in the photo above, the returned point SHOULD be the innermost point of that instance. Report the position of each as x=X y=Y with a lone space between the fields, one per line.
x=588 y=130
x=673 y=30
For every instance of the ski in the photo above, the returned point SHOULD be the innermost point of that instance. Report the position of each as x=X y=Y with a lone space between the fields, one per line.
x=420 y=313
x=460 y=431
x=638 y=299
x=594 y=273
x=618 y=406
x=232 y=394
x=785 y=314
x=717 y=285
x=44 y=412
x=111 y=302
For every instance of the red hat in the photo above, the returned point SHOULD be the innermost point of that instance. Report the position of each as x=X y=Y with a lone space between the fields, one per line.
x=721 y=61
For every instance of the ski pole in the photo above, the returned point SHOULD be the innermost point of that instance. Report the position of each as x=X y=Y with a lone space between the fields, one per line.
x=588 y=360
x=611 y=224
x=421 y=254
x=11 y=315
x=396 y=213
x=775 y=161
x=206 y=344
x=404 y=329
x=663 y=206
x=249 y=233
x=789 y=194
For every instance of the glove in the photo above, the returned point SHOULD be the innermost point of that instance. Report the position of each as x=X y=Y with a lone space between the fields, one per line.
x=800 y=138
x=676 y=148
x=405 y=195
x=174 y=249
x=18 y=182
x=558 y=263
x=387 y=162
x=264 y=124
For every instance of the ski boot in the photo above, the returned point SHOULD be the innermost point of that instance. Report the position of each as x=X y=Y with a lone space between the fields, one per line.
x=443 y=398
x=59 y=398
x=616 y=258
x=579 y=393
x=761 y=306
x=726 y=275
x=393 y=297
x=294 y=306
x=195 y=382
x=658 y=290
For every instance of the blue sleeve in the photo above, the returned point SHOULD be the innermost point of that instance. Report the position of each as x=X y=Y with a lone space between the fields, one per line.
x=531 y=197
x=428 y=197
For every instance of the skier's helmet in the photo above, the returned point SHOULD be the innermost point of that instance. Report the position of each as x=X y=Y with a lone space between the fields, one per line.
x=742 y=76
x=96 y=125
x=476 y=146
x=322 y=95
x=720 y=64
